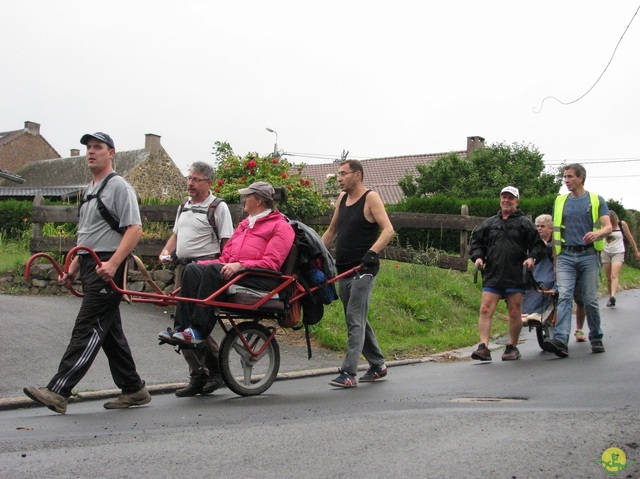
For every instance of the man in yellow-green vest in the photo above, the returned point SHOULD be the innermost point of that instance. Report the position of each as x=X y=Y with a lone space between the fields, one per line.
x=580 y=224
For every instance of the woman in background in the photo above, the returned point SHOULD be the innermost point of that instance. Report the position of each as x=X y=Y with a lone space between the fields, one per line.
x=613 y=254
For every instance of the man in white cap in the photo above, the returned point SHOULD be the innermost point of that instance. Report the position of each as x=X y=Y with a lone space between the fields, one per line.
x=500 y=246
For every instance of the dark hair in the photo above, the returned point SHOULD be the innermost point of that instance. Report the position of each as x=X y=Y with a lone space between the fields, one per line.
x=578 y=169
x=354 y=165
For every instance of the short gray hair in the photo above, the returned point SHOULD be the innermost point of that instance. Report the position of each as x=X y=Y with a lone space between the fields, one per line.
x=545 y=219
x=203 y=168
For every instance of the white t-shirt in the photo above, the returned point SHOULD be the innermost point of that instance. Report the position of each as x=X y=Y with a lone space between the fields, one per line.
x=195 y=235
x=614 y=243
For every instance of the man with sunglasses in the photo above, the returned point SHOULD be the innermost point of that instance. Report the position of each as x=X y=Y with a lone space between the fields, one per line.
x=194 y=239
x=355 y=227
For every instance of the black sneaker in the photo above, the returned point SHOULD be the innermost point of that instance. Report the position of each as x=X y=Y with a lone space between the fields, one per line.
x=612 y=302
x=345 y=380
x=511 y=353
x=483 y=353
x=556 y=347
x=373 y=374
x=597 y=347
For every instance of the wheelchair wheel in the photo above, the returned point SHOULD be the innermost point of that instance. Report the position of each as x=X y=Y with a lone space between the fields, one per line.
x=242 y=373
x=544 y=332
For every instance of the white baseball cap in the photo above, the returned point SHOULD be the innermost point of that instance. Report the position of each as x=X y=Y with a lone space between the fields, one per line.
x=511 y=189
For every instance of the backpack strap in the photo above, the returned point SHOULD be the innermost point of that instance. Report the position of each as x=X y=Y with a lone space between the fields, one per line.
x=102 y=209
x=210 y=212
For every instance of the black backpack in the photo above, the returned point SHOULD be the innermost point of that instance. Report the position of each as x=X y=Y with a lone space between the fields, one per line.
x=210 y=212
x=104 y=212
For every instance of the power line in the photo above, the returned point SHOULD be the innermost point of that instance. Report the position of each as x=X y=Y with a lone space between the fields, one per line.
x=601 y=75
x=595 y=161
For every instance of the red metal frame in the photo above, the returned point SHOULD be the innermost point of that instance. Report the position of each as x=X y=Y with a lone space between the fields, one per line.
x=172 y=298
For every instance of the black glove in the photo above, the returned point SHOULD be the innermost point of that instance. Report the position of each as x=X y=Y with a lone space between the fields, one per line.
x=370 y=263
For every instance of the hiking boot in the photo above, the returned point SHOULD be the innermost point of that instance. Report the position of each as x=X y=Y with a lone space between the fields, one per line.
x=213 y=383
x=189 y=336
x=597 y=347
x=345 y=380
x=534 y=320
x=373 y=374
x=482 y=353
x=612 y=302
x=511 y=353
x=580 y=337
x=193 y=389
x=47 y=397
x=139 y=398
x=556 y=347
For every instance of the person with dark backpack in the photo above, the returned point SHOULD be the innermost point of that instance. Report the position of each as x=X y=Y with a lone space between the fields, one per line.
x=202 y=227
x=110 y=224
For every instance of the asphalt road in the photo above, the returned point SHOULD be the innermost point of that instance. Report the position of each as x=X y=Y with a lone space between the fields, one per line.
x=538 y=417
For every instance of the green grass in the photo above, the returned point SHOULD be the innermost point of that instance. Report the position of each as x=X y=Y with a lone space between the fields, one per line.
x=15 y=253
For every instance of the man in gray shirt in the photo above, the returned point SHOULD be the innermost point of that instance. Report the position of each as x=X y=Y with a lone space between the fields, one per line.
x=195 y=238
x=109 y=224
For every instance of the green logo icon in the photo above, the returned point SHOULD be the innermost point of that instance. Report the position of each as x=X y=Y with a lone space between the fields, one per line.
x=614 y=461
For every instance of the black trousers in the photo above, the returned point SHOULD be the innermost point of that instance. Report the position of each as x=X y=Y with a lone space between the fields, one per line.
x=201 y=282
x=98 y=324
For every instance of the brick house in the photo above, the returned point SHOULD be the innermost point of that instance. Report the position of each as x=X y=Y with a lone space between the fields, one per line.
x=382 y=174
x=19 y=147
x=150 y=170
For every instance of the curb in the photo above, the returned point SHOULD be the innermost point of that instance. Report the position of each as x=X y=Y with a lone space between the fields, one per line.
x=25 y=402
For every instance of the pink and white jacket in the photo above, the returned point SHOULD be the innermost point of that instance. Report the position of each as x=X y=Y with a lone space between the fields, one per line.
x=266 y=245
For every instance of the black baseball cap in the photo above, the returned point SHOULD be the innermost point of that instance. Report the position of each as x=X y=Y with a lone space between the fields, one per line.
x=98 y=136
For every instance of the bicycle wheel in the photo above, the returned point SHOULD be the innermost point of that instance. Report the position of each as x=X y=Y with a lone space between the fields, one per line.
x=244 y=372
x=544 y=332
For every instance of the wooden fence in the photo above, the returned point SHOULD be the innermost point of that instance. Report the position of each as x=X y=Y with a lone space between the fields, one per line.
x=166 y=213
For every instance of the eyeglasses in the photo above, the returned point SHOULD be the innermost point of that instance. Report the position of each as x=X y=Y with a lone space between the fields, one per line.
x=197 y=180
x=345 y=173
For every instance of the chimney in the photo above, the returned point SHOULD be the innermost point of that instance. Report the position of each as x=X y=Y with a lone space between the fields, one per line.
x=474 y=142
x=75 y=152
x=152 y=143
x=31 y=127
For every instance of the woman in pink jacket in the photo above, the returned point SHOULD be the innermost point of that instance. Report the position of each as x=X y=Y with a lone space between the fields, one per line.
x=262 y=240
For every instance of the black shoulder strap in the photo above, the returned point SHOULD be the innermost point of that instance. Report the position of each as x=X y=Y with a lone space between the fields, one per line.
x=211 y=217
x=102 y=209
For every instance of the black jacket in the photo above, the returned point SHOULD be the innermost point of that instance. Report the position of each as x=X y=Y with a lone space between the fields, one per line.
x=504 y=245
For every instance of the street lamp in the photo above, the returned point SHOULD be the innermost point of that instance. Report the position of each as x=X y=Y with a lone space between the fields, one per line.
x=275 y=146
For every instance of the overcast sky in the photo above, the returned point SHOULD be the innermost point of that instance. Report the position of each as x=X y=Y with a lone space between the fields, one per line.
x=371 y=77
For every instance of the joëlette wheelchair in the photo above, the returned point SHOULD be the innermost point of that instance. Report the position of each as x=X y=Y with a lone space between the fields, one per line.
x=249 y=356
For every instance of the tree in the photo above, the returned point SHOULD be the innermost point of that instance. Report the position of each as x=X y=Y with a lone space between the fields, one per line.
x=484 y=173
x=234 y=172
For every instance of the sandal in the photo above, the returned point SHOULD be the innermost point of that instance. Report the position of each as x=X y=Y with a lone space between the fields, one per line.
x=580 y=337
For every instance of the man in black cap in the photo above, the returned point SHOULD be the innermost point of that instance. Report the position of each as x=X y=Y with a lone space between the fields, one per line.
x=109 y=223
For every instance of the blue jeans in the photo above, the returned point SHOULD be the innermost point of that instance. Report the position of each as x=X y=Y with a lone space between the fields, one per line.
x=571 y=266
x=355 y=294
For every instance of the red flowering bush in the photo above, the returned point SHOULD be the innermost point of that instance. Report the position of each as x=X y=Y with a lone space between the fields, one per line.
x=234 y=172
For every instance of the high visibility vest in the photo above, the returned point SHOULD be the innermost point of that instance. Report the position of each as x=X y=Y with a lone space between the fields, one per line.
x=558 y=209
